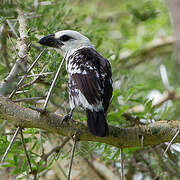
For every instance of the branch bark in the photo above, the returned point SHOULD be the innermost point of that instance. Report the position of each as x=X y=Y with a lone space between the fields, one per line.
x=154 y=133
x=21 y=63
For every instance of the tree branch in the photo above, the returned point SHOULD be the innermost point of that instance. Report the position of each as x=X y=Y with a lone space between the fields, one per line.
x=155 y=133
x=158 y=47
x=167 y=95
x=55 y=149
x=21 y=63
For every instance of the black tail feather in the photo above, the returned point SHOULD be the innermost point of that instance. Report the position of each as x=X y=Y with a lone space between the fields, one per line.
x=97 y=123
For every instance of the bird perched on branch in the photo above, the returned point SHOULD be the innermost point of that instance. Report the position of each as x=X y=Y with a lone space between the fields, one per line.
x=90 y=77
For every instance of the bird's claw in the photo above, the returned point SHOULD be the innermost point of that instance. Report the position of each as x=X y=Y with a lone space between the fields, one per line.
x=67 y=117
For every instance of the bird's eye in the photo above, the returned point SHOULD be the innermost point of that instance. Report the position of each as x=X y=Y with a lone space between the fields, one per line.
x=65 y=38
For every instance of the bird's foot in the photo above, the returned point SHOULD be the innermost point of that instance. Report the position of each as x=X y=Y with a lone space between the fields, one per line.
x=67 y=117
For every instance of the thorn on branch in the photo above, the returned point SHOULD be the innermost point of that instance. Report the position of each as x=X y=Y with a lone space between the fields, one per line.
x=142 y=140
x=25 y=149
x=41 y=142
x=13 y=46
x=10 y=144
x=40 y=74
x=75 y=139
x=53 y=83
x=21 y=92
x=23 y=78
x=171 y=141
x=43 y=110
x=122 y=164
x=12 y=28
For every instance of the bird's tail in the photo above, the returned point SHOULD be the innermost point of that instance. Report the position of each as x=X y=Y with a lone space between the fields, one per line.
x=97 y=123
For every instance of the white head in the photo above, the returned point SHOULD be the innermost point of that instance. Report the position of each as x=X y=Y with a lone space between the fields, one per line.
x=66 y=41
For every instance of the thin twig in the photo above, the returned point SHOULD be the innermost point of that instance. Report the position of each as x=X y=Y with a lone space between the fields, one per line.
x=72 y=156
x=171 y=141
x=31 y=83
x=35 y=79
x=12 y=28
x=55 y=149
x=49 y=94
x=21 y=92
x=23 y=78
x=122 y=164
x=166 y=166
x=41 y=142
x=53 y=83
x=40 y=74
x=28 y=99
x=10 y=144
x=25 y=149
x=13 y=46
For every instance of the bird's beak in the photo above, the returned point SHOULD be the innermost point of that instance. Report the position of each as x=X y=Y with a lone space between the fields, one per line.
x=51 y=41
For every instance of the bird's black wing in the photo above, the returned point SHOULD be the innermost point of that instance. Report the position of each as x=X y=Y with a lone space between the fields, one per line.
x=94 y=81
x=89 y=85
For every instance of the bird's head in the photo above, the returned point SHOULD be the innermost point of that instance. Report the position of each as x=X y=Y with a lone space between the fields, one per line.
x=66 y=41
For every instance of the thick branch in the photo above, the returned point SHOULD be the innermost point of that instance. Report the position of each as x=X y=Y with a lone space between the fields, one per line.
x=154 y=133
x=21 y=63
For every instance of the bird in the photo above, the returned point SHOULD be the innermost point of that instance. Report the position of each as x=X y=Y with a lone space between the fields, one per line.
x=90 y=83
